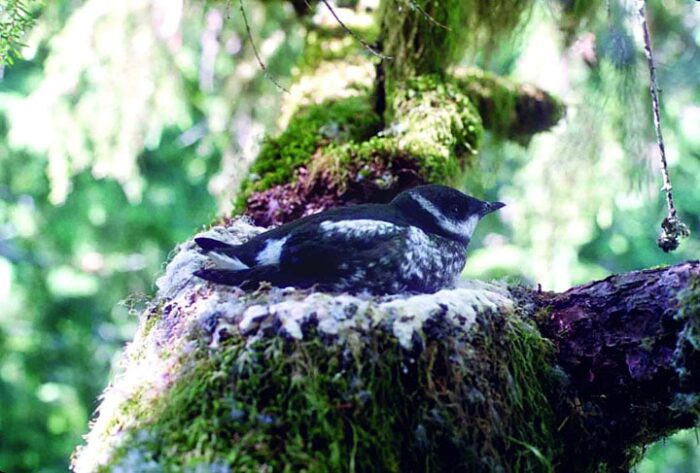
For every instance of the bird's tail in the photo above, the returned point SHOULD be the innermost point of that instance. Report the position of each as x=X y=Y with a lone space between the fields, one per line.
x=210 y=244
x=245 y=278
x=223 y=255
x=221 y=276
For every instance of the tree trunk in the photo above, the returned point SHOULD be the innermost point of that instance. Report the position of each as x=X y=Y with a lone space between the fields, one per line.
x=357 y=128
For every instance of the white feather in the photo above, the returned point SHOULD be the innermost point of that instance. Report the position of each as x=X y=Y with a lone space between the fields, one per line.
x=272 y=251
x=223 y=261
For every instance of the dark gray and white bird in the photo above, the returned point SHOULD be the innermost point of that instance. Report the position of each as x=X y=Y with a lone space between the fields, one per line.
x=415 y=243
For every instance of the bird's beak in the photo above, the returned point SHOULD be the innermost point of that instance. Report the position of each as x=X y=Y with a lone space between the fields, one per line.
x=492 y=207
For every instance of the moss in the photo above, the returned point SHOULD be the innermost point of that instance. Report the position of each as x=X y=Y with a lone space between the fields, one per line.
x=433 y=139
x=436 y=128
x=311 y=405
x=687 y=355
x=509 y=110
x=437 y=124
x=426 y=36
x=315 y=126
x=494 y=96
x=331 y=80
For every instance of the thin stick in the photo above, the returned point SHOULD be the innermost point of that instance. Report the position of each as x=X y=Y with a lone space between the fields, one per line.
x=255 y=49
x=672 y=228
x=654 y=91
x=415 y=5
x=364 y=43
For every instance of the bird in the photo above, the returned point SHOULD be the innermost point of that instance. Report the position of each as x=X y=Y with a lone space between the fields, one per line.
x=416 y=243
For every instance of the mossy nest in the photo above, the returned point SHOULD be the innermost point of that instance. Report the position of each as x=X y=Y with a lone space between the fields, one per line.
x=287 y=380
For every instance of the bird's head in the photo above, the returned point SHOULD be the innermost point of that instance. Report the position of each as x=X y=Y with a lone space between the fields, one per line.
x=443 y=210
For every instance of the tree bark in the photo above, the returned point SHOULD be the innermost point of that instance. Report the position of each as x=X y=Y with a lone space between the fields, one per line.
x=629 y=347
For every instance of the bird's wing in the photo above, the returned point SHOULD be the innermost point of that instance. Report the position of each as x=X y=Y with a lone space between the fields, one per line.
x=335 y=247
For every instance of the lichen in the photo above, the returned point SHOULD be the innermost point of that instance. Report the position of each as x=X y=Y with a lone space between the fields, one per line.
x=289 y=380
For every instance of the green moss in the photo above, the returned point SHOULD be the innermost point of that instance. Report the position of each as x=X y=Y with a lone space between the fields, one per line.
x=476 y=404
x=494 y=96
x=507 y=109
x=315 y=126
x=426 y=36
x=436 y=132
x=689 y=338
x=437 y=124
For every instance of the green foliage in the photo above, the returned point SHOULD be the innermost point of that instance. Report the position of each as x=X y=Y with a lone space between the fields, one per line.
x=15 y=19
x=69 y=270
x=576 y=14
x=678 y=454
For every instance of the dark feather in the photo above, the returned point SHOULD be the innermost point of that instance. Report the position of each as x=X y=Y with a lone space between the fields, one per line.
x=246 y=278
x=210 y=244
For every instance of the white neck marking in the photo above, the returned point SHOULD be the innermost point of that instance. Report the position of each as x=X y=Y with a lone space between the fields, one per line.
x=462 y=228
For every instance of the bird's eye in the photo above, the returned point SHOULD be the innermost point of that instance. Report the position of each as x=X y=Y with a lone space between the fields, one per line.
x=455 y=209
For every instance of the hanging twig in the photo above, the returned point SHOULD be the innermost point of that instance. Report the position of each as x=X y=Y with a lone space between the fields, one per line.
x=427 y=16
x=672 y=227
x=364 y=43
x=269 y=76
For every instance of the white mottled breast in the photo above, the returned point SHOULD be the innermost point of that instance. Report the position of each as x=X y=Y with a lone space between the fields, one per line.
x=417 y=261
x=432 y=261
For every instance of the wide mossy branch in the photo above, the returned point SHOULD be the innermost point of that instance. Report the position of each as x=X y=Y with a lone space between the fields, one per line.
x=481 y=377
x=357 y=128
x=337 y=152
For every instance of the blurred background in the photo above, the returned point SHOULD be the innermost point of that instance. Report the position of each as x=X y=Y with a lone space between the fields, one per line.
x=126 y=126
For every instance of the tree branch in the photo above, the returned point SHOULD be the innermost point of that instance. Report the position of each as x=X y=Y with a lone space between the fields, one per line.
x=629 y=347
x=480 y=377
